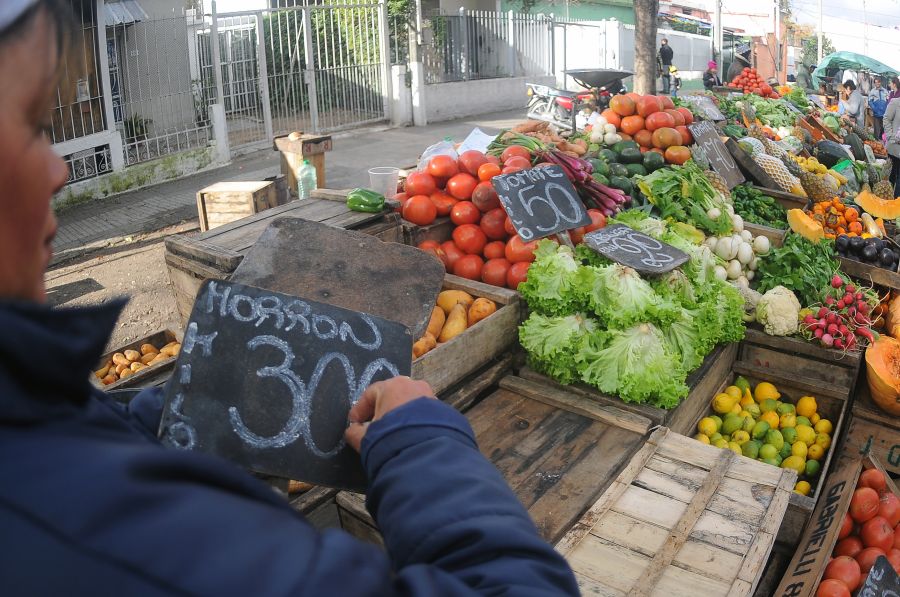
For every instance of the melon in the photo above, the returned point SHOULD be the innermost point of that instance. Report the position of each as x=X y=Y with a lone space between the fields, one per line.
x=889 y=209
x=883 y=373
x=804 y=225
x=830 y=153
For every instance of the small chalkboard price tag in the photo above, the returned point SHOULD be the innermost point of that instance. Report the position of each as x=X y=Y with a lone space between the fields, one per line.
x=540 y=202
x=707 y=137
x=882 y=581
x=266 y=380
x=705 y=106
x=634 y=249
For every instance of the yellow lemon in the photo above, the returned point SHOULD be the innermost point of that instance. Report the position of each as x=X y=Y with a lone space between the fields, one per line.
x=803 y=487
x=799 y=449
x=823 y=440
x=702 y=438
x=806 y=434
x=771 y=418
x=769 y=405
x=734 y=392
x=806 y=406
x=794 y=463
x=721 y=443
x=707 y=426
x=747 y=400
x=736 y=408
x=815 y=452
x=714 y=437
x=765 y=391
x=736 y=448
x=788 y=420
x=824 y=426
x=740 y=437
x=744 y=414
x=815 y=418
x=723 y=403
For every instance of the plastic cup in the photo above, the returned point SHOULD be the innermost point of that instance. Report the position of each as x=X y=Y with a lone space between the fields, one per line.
x=384 y=180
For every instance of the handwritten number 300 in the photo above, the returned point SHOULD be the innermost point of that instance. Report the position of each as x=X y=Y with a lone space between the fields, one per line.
x=298 y=424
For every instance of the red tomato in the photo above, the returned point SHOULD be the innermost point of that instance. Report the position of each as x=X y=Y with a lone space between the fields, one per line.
x=832 y=588
x=678 y=116
x=517 y=162
x=469 y=266
x=419 y=210
x=873 y=478
x=470 y=161
x=470 y=238
x=846 y=527
x=461 y=186
x=688 y=115
x=452 y=252
x=897 y=537
x=876 y=532
x=494 y=271
x=511 y=170
x=443 y=203
x=492 y=224
x=844 y=569
x=666 y=102
x=488 y=171
x=428 y=244
x=686 y=137
x=867 y=557
x=420 y=183
x=495 y=250
x=508 y=226
x=849 y=546
x=517 y=274
x=889 y=508
x=439 y=253
x=864 y=504
x=894 y=558
x=577 y=235
x=515 y=150
x=465 y=212
x=492 y=159
x=401 y=197
x=485 y=197
x=598 y=220
x=517 y=250
x=443 y=166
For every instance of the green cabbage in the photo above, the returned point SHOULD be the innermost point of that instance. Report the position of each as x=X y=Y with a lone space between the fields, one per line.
x=620 y=297
x=552 y=277
x=554 y=342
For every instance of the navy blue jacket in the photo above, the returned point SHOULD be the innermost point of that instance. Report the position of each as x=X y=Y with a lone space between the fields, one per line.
x=92 y=504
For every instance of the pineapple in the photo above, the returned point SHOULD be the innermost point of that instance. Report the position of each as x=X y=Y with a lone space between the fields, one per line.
x=792 y=165
x=717 y=181
x=803 y=134
x=815 y=187
x=861 y=131
x=778 y=171
x=884 y=189
x=752 y=146
x=698 y=154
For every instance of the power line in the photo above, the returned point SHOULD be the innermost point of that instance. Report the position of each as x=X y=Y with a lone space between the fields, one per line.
x=815 y=5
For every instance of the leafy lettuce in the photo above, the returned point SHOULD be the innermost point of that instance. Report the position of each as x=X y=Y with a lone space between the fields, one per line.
x=554 y=342
x=621 y=298
x=552 y=278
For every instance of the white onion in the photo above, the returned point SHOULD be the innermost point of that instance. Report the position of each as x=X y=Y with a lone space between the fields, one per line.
x=723 y=247
x=750 y=276
x=745 y=253
x=720 y=273
x=609 y=128
x=747 y=236
x=734 y=269
x=753 y=264
x=737 y=222
x=761 y=245
x=714 y=214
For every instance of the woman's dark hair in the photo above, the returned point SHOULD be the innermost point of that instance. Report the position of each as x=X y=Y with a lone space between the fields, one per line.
x=849 y=84
x=896 y=82
x=62 y=20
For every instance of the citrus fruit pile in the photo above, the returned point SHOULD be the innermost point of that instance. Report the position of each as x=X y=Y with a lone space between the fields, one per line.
x=870 y=529
x=757 y=424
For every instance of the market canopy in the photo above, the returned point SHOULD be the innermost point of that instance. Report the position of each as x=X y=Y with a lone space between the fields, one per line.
x=850 y=61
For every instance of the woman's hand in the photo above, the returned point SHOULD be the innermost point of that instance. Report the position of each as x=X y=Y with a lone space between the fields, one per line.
x=378 y=400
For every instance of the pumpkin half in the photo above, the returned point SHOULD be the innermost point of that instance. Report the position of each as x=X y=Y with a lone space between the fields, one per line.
x=805 y=226
x=883 y=373
x=889 y=209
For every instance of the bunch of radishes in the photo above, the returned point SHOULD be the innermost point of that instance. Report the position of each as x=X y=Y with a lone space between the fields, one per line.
x=843 y=322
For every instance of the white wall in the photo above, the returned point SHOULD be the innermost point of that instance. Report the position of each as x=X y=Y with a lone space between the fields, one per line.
x=447 y=101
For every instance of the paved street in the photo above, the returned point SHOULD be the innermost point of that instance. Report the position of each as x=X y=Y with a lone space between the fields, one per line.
x=113 y=220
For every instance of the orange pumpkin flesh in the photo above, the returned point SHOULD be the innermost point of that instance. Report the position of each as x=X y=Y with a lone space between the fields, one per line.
x=883 y=373
x=877 y=207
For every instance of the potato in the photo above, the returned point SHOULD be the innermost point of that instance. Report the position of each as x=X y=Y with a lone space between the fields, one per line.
x=103 y=371
x=480 y=309
x=456 y=323
x=120 y=359
x=158 y=359
x=137 y=366
x=170 y=350
x=448 y=298
x=108 y=379
x=437 y=321
x=120 y=368
x=147 y=358
x=172 y=343
x=148 y=349
x=125 y=373
x=132 y=355
x=424 y=344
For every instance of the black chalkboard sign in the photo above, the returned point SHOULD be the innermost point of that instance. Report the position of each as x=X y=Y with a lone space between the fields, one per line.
x=635 y=249
x=265 y=380
x=540 y=202
x=707 y=137
x=882 y=580
x=707 y=108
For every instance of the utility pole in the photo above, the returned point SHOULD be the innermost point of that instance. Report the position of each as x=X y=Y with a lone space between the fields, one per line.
x=718 y=37
x=865 y=30
x=778 y=39
x=819 y=54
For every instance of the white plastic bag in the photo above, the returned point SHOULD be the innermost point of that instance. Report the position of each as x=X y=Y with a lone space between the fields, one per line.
x=444 y=147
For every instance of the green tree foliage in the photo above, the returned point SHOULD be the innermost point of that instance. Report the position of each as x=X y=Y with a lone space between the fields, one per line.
x=811 y=49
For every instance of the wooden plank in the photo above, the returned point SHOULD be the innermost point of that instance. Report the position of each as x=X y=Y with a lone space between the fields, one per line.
x=312 y=499
x=689 y=451
x=752 y=569
x=840 y=380
x=503 y=296
x=464 y=396
x=791 y=345
x=870 y=274
x=577 y=404
x=810 y=386
x=716 y=370
x=203 y=252
x=775 y=236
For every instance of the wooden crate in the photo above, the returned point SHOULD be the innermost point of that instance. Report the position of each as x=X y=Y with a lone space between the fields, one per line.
x=869 y=274
x=682 y=519
x=217 y=253
x=453 y=361
x=775 y=236
x=814 y=551
x=307 y=147
x=873 y=431
x=703 y=384
x=225 y=202
x=557 y=461
x=151 y=376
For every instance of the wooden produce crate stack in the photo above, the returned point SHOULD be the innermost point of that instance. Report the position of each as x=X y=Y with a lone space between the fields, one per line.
x=682 y=518
x=295 y=148
x=873 y=431
x=225 y=202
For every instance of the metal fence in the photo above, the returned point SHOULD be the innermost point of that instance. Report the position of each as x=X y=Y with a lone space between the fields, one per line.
x=484 y=45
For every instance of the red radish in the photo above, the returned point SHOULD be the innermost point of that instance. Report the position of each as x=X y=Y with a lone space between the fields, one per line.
x=837 y=281
x=850 y=288
x=822 y=312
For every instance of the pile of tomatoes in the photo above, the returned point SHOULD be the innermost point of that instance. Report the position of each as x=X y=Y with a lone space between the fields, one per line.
x=749 y=81
x=654 y=123
x=484 y=244
x=870 y=529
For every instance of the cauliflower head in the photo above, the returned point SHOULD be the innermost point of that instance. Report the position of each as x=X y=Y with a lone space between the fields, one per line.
x=779 y=312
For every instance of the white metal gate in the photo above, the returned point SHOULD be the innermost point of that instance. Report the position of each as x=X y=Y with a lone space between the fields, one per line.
x=317 y=68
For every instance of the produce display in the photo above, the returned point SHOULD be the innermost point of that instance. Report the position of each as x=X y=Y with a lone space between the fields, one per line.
x=455 y=312
x=761 y=424
x=124 y=364
x=757 y=208
x=845 y=319
x=871 y=528
x=749 y=81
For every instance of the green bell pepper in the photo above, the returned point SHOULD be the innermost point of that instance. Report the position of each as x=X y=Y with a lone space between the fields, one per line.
x=365 y=200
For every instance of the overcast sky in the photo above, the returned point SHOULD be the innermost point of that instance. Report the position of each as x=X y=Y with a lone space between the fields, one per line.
x=885 y=13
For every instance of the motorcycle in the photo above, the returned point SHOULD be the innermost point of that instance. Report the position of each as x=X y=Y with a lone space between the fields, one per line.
x=563 y=108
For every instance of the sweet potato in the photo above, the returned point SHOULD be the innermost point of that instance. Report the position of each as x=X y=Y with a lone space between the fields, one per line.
x=423 y=345
x=109 y=378
x=438 y=317
x=137 y=366
x=456 y=323
x=449 y=298
x=104 y=370
x=120 y=359
x=148 y=349
x=480 y=309
x=170 y=350
x=147 y=358
x=132 y=355
x=125 y=373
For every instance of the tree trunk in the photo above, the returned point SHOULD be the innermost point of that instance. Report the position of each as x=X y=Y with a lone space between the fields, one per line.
x=645 y=18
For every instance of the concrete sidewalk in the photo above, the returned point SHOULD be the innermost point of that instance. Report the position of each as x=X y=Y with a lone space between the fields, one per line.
x=113 y=220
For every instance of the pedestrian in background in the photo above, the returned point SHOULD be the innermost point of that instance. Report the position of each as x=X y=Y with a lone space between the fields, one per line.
x=878 y=101
x=676 y=81
x=737 y=67
x=892 y=140
x=804 y=78
x=711 y=76
x=895 y=88
x=853 y=104
x=664 y=60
